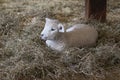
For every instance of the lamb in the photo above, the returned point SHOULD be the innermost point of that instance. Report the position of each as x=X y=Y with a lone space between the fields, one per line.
x=59 y=39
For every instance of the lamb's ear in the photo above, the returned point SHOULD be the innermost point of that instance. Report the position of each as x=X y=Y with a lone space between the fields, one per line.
x=47 y=19
x=61 y=28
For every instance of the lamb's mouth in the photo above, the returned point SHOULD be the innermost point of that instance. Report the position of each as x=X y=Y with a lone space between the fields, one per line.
x=44 y=38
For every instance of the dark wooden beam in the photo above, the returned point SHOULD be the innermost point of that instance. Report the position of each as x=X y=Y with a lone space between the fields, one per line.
x=96 y=9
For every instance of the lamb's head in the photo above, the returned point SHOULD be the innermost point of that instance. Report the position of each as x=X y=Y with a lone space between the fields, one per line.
x=51 y=29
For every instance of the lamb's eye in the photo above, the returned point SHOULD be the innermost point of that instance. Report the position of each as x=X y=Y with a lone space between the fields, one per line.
x=52 y=29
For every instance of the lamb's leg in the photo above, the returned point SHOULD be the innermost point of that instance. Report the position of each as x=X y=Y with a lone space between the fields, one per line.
x=54 y=45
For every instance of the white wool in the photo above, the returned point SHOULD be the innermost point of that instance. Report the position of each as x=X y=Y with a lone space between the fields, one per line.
x=79 y=35
x=77 y=26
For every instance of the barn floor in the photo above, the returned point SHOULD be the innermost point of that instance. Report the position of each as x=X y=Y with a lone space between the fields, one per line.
x=24 y=56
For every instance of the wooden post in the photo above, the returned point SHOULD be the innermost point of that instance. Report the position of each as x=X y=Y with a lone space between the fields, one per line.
x=96 y=9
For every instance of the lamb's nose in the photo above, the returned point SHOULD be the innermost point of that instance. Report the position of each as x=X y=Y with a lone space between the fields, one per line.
x=41 y=35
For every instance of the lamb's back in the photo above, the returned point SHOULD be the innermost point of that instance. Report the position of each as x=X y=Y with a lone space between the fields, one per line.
x=77 y=26
x=81 y=35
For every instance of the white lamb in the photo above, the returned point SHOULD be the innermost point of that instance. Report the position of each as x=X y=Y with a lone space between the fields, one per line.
x=79 y=35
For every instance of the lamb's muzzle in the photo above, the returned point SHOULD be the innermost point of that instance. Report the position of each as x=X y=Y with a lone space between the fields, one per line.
x=79 y=35
x=43 y=37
